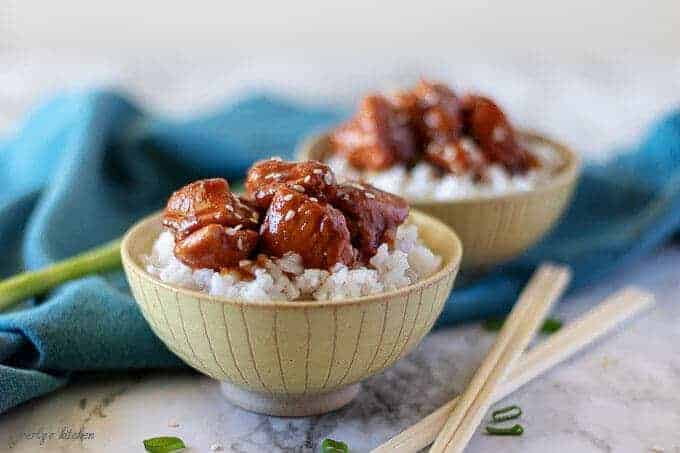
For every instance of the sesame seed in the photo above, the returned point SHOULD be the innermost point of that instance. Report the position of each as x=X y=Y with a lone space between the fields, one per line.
x=259 y=195
x=238 y=216
x=238 y=227
x=431 y=120
x=273 y=175
x=307 y=178
x=467 y=144
x=369 y=195
x=314 y=199
x=317 y=171
x=298 y=187
x=288 y=197
x=230 y=208
x=321 y=227
x=239 y=243
x=432 y=98
x=289 y=215
x=499 y=134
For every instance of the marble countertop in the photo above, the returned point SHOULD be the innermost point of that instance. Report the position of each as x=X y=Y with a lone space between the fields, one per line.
x=621 y=395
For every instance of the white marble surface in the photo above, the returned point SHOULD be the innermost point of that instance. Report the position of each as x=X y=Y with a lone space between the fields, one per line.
x=621 y=395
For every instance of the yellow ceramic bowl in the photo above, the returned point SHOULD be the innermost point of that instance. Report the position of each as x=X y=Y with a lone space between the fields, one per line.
x=494 y=228
x=291 y=358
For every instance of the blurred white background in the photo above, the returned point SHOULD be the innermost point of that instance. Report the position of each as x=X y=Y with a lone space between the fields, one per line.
x=593 y=72
x=349 y=25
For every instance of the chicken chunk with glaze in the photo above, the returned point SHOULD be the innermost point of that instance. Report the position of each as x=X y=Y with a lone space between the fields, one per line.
x=488 y=125
x=308 y=226
x=372 y=215
x=205 y=202
x=378 y=137
x=216 y=247
x=265 y=177
x=457 y=157
x=434 y=112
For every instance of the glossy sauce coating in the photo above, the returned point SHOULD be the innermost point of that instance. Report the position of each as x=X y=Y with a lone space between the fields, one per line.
x=298 y=223
x=216 y=247
x=378 y=137
x=205 y=202
x=434 y=112
x=457 y=157
x=372 y=215
x=487 y=124
x=265 y=177
x=431 y=122
x=303 y=211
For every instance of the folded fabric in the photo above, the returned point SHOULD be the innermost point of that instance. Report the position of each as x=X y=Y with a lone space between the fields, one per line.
x=87 y=165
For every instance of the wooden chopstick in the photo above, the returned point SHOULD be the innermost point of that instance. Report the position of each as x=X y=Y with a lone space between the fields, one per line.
x=533 y=305
x=591 y=326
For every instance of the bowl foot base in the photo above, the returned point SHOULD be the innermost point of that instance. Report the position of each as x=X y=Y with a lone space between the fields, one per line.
x=293 y=406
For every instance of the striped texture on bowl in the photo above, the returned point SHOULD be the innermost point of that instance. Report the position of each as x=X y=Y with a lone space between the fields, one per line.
x=291 y=349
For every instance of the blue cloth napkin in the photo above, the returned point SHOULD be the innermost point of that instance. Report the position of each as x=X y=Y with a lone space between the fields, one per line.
x=86 y=165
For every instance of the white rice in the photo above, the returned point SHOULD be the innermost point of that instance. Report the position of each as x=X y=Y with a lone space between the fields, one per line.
x=286 y=279
x=424 y=182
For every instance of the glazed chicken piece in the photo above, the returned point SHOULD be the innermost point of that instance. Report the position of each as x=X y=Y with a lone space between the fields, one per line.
x=265 y=177
x=487 y=124
x=434 y=112
x=372 y=215
x=378 y=137
x=205 y=202
x=312 y=228
x=216 y=247
x=457 y=157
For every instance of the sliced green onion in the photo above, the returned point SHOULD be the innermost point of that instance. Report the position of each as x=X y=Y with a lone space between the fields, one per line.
x=551 y=325
x=164 y=444
x=515 y=430
x=506 y=413
x=22 y=286
x=333 y=446
x=493 y=324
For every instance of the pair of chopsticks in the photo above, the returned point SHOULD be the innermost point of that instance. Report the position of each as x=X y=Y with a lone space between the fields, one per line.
x=452 y=425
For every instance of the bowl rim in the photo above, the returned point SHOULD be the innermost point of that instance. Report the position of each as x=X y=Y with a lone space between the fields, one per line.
x=451 y=267
x=566 y=175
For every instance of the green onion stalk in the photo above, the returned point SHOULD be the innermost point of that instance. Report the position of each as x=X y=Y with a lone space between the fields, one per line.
x=33 y=283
